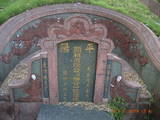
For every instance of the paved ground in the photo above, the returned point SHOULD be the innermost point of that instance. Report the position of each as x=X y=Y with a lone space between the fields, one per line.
x=61 y=112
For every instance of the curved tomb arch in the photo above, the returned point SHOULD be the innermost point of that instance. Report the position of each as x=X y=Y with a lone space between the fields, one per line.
x=77 y=27
x=43 y=28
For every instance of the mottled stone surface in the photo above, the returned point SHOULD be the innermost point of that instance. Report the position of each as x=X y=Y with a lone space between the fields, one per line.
x=60 y=112
x=137 y=80
x=17 y=76
x=88 y=106
x=131 y=82
x=151 y=47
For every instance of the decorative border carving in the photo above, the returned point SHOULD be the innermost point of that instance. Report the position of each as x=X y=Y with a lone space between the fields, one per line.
x=77 y=27
x=144 y=34
x=152 y=46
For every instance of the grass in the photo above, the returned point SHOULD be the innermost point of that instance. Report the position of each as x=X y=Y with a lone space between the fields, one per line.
x=4 y=3
x=132 y=8
x=118 y=106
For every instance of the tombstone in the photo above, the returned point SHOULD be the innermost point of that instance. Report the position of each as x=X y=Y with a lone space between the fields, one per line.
x=76 y=70
x=76 y=53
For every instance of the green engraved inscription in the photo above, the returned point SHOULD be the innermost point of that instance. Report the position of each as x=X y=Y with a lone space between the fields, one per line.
x=76 y=70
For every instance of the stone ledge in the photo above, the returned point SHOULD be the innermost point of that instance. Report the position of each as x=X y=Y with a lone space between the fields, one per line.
x=17 y=77
x=88 y=105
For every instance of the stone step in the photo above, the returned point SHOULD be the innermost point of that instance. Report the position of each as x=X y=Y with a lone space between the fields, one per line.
x=60 y=112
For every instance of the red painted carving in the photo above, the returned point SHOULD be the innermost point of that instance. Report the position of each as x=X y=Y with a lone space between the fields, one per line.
x=6 y=58
x=143 y=60
x=34 y=90
x=77 y=28
x=31 y=36
x=124 y=41
x=119 y=89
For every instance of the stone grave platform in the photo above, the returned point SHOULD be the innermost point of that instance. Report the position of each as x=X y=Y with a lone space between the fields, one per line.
x=61 y=112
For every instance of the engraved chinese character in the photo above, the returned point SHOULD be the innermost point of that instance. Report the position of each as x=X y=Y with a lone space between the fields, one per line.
x=77 y=55
x=90 y=47
x=76 y=78
x=127 y=76
x=77 y=49
x=64 y=47
x=75 y=95
x=77 y=61
x=75 y=85
x=76 y=67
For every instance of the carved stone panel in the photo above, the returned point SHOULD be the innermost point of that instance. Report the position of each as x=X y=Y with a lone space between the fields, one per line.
x=76 y=70
x=76 y=27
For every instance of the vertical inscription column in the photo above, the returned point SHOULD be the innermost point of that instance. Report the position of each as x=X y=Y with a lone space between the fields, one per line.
x=76 y=70
x=90 y=49
x=52 y=63
x=63 y=71
x=100 y=73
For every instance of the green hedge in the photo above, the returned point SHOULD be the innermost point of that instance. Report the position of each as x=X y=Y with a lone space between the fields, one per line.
x=132 y=8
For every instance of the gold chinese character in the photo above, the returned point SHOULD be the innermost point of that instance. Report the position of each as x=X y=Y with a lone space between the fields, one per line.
x=76 y=85
x=77 y=49
x=77 y=61
x=64 y=47
x=127 y=76
x=90 y=47
x=76 y=68
x=76 y=78
x=75 y=95
x=77 y=55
